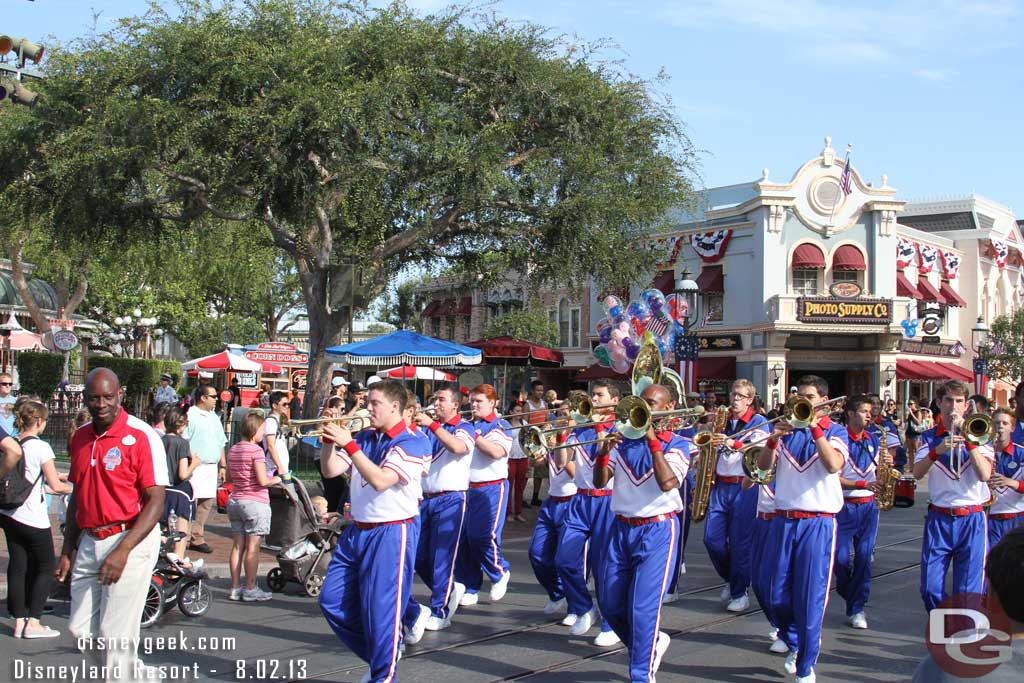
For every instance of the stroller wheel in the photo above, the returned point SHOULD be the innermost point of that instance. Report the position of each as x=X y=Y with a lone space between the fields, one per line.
x=194 y=599
x=313 y=585
x=154 y=603
x=276 y=580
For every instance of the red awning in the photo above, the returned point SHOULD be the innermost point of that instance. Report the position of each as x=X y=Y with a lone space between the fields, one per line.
x=665 y=282
x=598 y=371
x=711 y=280
x=848 y=257
x=917 y=370
x=954 y=371
x=716 y=367
x=269 y=367
x=465 y=306
x=904 y=288
x=928 y=291
x=808 y=256
x=431 y=309
x=447 y=307
x=517 y=352
x=951 y=297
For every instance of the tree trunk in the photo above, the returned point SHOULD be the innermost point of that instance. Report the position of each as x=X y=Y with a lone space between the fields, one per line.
x=14 y=247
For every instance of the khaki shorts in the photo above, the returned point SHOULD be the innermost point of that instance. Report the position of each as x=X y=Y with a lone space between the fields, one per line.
x=249 y=517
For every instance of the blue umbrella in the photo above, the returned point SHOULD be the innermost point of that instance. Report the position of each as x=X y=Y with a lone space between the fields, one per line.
x=406 y=347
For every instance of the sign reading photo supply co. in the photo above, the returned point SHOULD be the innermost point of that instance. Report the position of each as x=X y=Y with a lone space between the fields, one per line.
x=835 y=310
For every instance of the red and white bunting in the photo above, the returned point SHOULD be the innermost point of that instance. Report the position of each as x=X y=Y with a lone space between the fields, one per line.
x=1000 y=253
x=905 y=252
x=950 y=265
x=666 y=250
x=710 y=246
x=927 y=256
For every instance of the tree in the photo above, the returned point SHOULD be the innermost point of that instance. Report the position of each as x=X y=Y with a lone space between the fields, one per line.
x=526 y=325
x=373 y=140
x=402 y=307
x=1005 y=347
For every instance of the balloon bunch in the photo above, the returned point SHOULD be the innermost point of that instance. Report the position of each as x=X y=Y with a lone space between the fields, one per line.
x=622 y=331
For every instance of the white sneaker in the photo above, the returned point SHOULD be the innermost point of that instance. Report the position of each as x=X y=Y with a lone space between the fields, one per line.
x=790 y=665
x=570 y=619
x=726 y=594
x=584 y=622
x=437 y=623
x=235 y=594
x=773 y=634
x=196 y=565
x=607 y=639
x=859 y=620
x=682 y=568
x=554 y=606
x=469 y=599
x=659 y=649
x=779 y=647
x=740 y=604
x=669 y=598
x=499 y=589
x=415 y=632
x=455 y=599
x=256 y=595
x=810 y=678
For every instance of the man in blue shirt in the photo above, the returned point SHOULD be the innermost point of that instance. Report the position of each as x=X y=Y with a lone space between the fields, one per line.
x=7 y=404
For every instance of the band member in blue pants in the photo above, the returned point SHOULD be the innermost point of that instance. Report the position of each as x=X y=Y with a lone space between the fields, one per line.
x=547 y=534
x=1007 y=511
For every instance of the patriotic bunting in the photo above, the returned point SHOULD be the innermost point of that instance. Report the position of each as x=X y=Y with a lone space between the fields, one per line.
x=710 y=246
x=1001 y=251
x=926 y=258
x=905 y=252
x=666 y=250
x=950 y=265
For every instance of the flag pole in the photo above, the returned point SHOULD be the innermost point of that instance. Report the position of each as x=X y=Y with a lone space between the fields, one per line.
x=835 y=202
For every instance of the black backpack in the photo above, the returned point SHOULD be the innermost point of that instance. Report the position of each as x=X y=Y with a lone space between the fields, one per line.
x=15 y=488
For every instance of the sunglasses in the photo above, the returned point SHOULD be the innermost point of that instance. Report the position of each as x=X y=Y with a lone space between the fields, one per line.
x=6 y=384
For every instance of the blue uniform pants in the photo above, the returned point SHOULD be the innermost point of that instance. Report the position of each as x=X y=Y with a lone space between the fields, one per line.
x=760 y=555
x=684 y=532
x=799 y=577
x=547 y=535
x=727 y=527
x=366 y=590
x=441 y=520
x=857 y=527
x=998 y=527
x=636 y=574
x=480 y=549
x=588 y=523
x=960 y=539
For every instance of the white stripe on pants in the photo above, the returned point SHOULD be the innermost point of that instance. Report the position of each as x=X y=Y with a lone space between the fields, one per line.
x=114 y=611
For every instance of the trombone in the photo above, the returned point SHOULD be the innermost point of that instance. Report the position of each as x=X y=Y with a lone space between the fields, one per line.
x=354 y=423
x=533 y=441
x=975 y=429
x=633 y=417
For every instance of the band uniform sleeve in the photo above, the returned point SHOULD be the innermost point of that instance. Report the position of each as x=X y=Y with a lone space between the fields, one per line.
x=892 y=439
x=836 y=442
x=678 y=458
x=408 y=467
x=465 y=434
x=501 y=436
x=923 y=449
x=987 y=451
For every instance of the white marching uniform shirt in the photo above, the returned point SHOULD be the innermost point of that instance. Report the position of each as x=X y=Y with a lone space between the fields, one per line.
x=483 y=467
x=638 y=493
x=397 y=451
x=450 y=472
x=944 y=489
x=808 y=485
x=560 y=483
x=765 y=499
x=730 y=461
x=1010 y=463
x=586 y=455
x=852 y=472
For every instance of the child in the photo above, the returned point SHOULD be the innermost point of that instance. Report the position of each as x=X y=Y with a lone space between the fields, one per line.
x=320 y=505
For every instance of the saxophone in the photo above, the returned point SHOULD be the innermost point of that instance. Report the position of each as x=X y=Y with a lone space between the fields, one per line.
x=707 y=463
x=886 y=476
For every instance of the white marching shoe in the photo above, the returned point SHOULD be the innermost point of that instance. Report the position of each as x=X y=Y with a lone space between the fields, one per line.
x=809 y=678
x=669 y=598
x=726 y=594
x=740 y=604
x=790 y=665
x=500 y=587
x=415 y=632
x=584 y=622
x=554 y=606
x=455 y=599
x=659 y=649
x=570 y=619
x=779 y=647
x=469 y=599
x=682 y=567
x=859 y=620
x=607 y=639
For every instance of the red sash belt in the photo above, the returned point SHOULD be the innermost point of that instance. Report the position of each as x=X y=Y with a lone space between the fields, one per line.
x=767 y=516
x=724 y=479
x=641 y=521
x=594 y=492
x=961 y=511
x=802 y=514
x=482 y=484
x=862 y=500
x=1005 y=515
x=560 y=499
x=374 y=525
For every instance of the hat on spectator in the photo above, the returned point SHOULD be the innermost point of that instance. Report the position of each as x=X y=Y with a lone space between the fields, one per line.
x=464 y=391
x=339 y=381
x=356 y=387
x=167 y=377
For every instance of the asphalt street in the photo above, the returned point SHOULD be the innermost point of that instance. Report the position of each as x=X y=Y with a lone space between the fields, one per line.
x=288 y=639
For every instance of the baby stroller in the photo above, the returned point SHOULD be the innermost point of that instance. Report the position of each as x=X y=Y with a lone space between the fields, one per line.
x=305 y=561
x=173 y=583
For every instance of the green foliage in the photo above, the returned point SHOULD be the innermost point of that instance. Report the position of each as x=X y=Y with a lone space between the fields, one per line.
x=1006 y=347
x=39 y=373
x=402 y=307
x=138 y=376
x=526 y=325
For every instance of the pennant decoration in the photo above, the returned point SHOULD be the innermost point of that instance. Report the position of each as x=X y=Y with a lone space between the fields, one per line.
x=1001 y=251
x=926 y=258
x=710 y=246
x=950 y=265
x=905 y=252
x=666 y=250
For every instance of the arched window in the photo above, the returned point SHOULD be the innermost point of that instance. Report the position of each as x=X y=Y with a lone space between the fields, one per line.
x=848 y=264
x=808 y=264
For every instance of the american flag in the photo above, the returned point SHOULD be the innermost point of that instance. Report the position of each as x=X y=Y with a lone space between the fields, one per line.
x=657 y=325
x=846 y=180
x=686 y=353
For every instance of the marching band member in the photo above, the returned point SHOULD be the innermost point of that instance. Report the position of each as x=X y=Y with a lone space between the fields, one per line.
x=858 y=520
x=588 y=521
x=486 y=499
x=547 y=534
x=731 y=508
x=883 y=426
x=1007 y=481
x=443 y=509
x=957 y=473
x=672 y=592
x=642 y=543
x=763 y=554
x=807 y=497
x=367 y=584
x=1018 y=414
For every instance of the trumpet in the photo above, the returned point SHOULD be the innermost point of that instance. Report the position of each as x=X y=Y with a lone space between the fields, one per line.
x=975 y=429
x=633 y=417
x=581 y=408
x=354 y=423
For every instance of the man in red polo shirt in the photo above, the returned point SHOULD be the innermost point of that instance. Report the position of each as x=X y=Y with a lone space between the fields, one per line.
x=119 y=471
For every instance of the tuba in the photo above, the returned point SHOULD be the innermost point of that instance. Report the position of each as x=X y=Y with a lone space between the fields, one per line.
x=753 y=471
x=647 y=366
x=707 y=463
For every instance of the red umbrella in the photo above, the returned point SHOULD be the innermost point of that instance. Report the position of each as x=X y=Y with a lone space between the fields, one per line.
x=518 y=352
x=416 y=372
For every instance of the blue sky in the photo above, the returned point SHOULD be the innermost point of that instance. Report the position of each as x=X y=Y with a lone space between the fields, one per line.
x=927 y=91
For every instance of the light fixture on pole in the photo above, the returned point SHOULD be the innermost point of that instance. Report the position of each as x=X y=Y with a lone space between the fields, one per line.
x=889 y=374
x=690 y=292
x=687 y=345
x=980 y=345
x=776 y=373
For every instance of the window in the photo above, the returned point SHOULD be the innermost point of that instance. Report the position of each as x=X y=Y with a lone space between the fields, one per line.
x=846 y=276
x=563 y=322
x=714 y=306
x=805 y=281
x=435 y=323
x=574 y=327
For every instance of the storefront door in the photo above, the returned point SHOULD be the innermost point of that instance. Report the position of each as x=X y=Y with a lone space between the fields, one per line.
x=857 y=382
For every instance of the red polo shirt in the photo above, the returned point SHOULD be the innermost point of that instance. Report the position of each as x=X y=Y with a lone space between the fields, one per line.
x=111 y=470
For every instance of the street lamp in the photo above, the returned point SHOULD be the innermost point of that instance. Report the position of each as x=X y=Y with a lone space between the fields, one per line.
x=979 y=343
x=687 y=346
x=776 y=372
x=889 y=374
x=688 y=289
x=133 y=328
